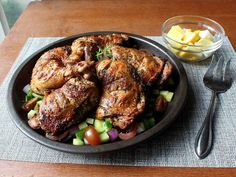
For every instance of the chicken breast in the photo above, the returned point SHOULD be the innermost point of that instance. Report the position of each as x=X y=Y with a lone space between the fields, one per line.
x=122 y=96
x=67 y=105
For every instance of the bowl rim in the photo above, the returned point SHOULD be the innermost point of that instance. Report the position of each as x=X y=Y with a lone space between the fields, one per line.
x=211 y=47
x=118 y=145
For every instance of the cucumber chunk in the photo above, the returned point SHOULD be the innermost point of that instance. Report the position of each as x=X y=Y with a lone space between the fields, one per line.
x=104 y=137
x=167 y=95
x=36 y=107
x=99 y=125
x=31 y=114
x=80 y=134
x=107 y=125
x=152 y=122
x=83 y=125
x=78 y=142
x=90 y=121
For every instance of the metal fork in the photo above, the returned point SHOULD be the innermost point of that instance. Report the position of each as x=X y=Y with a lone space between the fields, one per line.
x=218 y=80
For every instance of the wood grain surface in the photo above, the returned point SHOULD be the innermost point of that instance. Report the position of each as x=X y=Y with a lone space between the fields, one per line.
x=24 y=169
x=63 y=18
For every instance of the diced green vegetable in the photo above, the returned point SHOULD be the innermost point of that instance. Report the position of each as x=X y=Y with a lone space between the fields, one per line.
x=107 y=125
x=104 y=137
x=156 y=92
x=141 y=127
x=167 y=95
x=146 y=123
x=31 y=114
x=37 y=95
x=36 y=107
x=29 y=95
x=78 y=142
x=99 y=125
x=90 y=121
x=80 y=134
x=149 y=122
x=152 y=122
x=83 y=125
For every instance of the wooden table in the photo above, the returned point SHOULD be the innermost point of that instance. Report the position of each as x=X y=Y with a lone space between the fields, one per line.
x=63 y=18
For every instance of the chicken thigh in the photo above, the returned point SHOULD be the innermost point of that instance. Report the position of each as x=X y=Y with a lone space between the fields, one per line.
x=67 y=105
x=122 y=96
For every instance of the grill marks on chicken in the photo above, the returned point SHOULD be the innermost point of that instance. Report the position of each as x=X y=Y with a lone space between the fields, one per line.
x=148 y=67
x=58 y=109
x=85 y=47
x=122 y=98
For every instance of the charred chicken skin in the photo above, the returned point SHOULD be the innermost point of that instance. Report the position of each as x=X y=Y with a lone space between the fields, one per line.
x=148 y=67
x=53 y=69
x=122 y=97
x=67 y=105
x=85 y=47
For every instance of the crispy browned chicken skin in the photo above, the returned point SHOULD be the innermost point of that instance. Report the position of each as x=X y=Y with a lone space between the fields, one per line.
x=85 y=47
x=58 y=109
x=147 y=66
x=122 y=98
x=53 y=69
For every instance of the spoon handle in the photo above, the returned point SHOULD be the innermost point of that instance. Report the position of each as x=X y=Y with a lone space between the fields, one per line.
x=203 y=141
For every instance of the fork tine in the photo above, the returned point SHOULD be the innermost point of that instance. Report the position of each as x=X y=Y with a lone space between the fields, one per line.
x=219 y=68
x=227 y=75
x=213 y=64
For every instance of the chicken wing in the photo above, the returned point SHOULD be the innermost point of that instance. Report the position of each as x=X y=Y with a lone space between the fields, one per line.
x=122 y=98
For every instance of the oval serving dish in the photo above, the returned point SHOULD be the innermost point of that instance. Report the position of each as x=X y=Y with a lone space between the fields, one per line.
x=22 y=75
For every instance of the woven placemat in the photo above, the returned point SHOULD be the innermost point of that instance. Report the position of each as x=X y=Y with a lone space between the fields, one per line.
x=172 y=148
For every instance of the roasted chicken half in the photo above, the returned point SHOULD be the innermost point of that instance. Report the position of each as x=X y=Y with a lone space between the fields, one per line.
x=66 y=106
x=149 y=68
x=122 y=96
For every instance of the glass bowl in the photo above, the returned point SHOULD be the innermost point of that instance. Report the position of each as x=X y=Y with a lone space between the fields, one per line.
x=193 y=52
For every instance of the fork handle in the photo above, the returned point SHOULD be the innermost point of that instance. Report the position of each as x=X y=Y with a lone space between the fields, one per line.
x=203 y=141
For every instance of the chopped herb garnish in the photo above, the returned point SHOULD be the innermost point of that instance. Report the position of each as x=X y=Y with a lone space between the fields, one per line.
x=104 y=52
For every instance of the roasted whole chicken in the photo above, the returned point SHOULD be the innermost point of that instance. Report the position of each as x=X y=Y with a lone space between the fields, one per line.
x=122 y=98
x=74 y=82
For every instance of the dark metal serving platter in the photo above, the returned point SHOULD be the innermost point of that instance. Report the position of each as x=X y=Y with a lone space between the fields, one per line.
x=21 y=77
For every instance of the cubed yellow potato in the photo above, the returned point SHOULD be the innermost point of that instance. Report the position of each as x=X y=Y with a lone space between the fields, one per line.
x=205 y=42
x=190 y=37
x=176 y=33
x=205 y=34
